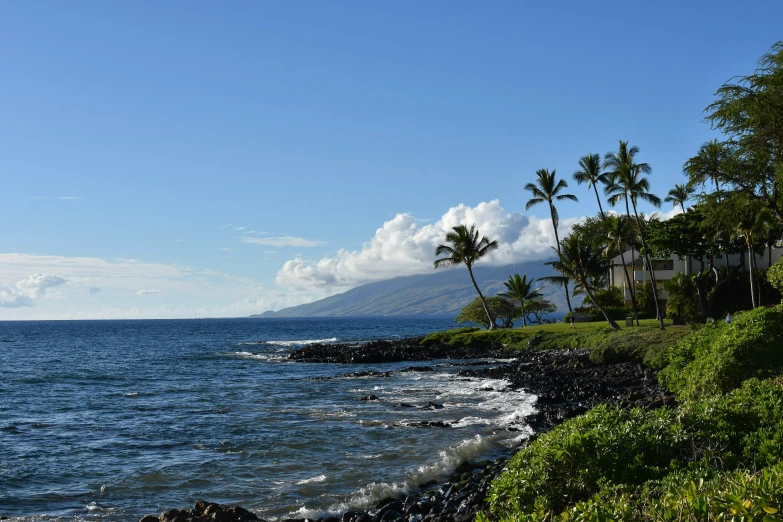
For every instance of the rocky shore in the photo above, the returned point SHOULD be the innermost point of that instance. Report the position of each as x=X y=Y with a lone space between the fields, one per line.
x=566 y=382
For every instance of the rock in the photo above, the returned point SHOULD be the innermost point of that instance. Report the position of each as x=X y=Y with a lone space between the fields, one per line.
x=390 y=515
x=370 y=398
x=222 y=516
x=433 y=406
x=352 y=516
x=395 y=506
x=405 y=405
x=145 y=518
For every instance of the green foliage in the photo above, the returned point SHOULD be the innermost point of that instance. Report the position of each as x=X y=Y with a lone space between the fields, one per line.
x=446 y=335
x=683 y=302
x=645 y=300
x=618 y=464
x=718 y=357
x=607 y=297
x=775 y=276
x=645 y=345
x=500 y=308
x=538 y=308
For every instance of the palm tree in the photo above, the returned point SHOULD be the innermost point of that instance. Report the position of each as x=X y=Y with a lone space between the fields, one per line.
x=547 y=190
x=619 y=235
x=591 y=174
x=581 y=262
x=707 y=164
x=520 y=289
x=679 y=195
x=629 y=184
x=466 y=248
x=753 y=226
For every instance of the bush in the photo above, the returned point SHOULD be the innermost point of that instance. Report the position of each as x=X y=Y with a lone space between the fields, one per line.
x=775 y=276
x=719 y=357
x=638 y=464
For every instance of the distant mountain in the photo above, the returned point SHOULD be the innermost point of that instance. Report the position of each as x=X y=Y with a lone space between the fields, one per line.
x=442 y=292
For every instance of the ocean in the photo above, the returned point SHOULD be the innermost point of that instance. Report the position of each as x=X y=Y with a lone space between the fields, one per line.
x=112 y=420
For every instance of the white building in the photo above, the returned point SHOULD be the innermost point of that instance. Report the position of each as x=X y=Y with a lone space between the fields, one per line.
x=665 y=269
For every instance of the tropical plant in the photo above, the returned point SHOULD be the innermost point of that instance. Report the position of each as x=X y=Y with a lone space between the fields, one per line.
x=750 y=112
x=679 y=195
x=775 y=276
x=619 y=234
x=708 y=164
x=465 y=249
x=538 y=308
x=629 y=184
x=503 y=310
x=753 y=224
x=547 y=189
x=520 y=290
x=581 y=262
x=590 y=173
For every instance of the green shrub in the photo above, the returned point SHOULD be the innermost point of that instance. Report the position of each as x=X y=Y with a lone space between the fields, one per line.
x=616 y=464
x=717 y=358
x=446 y=335
x=775 y=276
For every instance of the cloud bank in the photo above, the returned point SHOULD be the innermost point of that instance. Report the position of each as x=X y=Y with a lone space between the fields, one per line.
x=402 y=246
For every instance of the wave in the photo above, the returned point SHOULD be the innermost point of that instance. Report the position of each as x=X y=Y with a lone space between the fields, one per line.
x=290 y=343
x=272 y=357
x=313 y=480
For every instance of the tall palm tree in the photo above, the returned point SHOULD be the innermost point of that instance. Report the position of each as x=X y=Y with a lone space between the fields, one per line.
x=619 y=235
x=546 y=189
x=466 y=248
x=520 y=289
x=591 y=174
x=753 y=226
x=679 y=195
x=629 y=184
x=581 y=262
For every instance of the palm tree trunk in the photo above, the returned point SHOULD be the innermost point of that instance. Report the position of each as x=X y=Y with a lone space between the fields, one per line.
x=600 y=208
x=611 y=321
x=649 y=267
x=557 y=242
x=682 y=206
x=750 y=270
x=492 y=324
x=630 y=288
x=524 y=317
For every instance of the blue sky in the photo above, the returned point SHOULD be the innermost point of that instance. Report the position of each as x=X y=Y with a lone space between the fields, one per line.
x=186 y=159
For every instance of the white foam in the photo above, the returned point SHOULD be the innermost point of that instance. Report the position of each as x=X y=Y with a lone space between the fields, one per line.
x=271 y=357
x=313 y=480
x=302 y=342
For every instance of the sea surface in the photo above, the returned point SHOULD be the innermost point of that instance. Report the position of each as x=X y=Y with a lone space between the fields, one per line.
x=112 y=420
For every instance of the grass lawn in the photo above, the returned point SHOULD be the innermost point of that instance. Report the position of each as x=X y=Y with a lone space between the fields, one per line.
x=646 y=343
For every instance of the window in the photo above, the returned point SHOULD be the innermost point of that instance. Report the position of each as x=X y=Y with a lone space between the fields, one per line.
x=663 y=264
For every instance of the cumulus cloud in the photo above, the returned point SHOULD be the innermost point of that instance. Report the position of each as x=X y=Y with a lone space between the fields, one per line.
x=403 y=246
x=282 y=241
x=36 y=285
x=11 y=299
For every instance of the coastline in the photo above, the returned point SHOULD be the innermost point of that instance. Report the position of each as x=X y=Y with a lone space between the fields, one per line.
x=566 y=382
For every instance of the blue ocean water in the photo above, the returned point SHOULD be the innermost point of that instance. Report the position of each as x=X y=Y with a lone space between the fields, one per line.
x=111 y=420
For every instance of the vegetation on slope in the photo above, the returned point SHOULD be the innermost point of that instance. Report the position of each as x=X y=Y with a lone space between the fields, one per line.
x=715 y=457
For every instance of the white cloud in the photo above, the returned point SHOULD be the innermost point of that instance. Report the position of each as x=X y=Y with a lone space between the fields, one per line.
x=93 y=290
x=11 y=299
x=282 y=241
x=147 y=291
x=221 y=227
x=402 y=246
x=60 y=198
x=36 y=285
x=240 y=228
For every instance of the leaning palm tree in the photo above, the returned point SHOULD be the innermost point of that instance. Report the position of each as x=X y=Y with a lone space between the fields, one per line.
x=591 y=174
x=619 y=236
x=629 y=184
x=581 y=262
x=547 y=190
x=466 y=248
x=679 y=195
x=520 y=289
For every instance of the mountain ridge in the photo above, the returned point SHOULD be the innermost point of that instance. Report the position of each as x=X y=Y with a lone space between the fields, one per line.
x=443 y=292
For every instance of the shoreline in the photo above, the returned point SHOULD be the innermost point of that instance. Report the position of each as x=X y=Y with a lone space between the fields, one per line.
x=565 y=381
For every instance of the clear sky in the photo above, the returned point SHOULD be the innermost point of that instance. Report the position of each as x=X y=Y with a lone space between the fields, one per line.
x=191 y=159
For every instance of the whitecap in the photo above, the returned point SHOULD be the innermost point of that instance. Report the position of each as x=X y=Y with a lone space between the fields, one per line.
x=313 y=480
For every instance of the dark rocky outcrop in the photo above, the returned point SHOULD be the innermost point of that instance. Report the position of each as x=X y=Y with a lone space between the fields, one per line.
x=395 y=351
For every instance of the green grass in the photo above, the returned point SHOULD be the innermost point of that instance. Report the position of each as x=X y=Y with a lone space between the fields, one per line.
x=645 y=343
